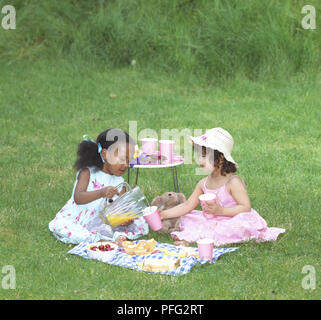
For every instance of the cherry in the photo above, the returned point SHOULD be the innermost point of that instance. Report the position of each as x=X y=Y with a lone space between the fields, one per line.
x=102 y=247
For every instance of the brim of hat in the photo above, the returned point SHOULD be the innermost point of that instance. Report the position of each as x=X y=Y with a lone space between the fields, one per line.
x=203 y=143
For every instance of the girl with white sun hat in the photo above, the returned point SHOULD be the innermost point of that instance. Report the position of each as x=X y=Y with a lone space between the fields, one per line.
x=229 y=218
x=217 y=139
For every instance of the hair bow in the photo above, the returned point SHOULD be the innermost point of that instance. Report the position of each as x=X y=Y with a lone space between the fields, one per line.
x=86 y=137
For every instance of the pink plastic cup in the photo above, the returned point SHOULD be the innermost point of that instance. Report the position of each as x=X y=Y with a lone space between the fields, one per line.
x=149 y=145
x=205 y=249
x=152 y=217
x=166 y=148
x=207 y=197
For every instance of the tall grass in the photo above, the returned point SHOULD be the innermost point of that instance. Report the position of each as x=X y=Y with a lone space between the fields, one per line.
x=211 y=38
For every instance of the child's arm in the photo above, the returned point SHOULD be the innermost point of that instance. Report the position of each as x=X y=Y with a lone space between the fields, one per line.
x=186 y=206
x=81 y=196
x=238 y=191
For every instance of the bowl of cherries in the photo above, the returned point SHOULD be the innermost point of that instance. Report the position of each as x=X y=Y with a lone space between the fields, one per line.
x=102 y=250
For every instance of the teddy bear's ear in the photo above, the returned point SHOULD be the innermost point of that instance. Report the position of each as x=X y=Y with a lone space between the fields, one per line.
x=181 y=197
x=157 y=202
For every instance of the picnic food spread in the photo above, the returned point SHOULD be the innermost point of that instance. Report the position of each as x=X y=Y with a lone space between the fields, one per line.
x=146 y=254
x=159 y=265
x=141 y=247
x=156 y=262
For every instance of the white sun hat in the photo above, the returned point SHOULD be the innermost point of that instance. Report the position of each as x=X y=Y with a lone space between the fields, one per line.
x=217 y=139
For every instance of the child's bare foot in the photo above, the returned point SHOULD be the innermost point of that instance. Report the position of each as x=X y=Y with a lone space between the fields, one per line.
x=181 y=243
x=120 y=240
x=174 y=237
x=178 y=242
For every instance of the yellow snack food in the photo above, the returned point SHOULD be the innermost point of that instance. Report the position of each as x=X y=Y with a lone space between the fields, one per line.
x=183 y=253
x=159 y=265
x=130 y=247
x=141 y=247
x=174 y=254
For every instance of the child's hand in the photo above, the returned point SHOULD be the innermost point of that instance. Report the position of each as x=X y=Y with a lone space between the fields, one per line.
x=162 y=214
x=213 y=208
x=108 y=192
x=119 y=241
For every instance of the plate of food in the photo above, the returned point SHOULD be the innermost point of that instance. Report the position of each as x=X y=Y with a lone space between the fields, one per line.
x=102 y=250
x=159 y=265
x=139 y=248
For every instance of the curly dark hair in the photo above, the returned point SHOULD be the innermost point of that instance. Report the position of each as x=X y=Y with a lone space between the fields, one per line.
x=87 y=153
x=217 y=158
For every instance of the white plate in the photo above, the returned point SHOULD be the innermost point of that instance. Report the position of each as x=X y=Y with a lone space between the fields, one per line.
x=103 y=256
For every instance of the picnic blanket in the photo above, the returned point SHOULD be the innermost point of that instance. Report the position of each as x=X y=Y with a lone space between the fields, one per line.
x=123 y=259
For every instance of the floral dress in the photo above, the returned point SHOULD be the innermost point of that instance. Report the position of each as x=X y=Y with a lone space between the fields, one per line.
x=75 y=223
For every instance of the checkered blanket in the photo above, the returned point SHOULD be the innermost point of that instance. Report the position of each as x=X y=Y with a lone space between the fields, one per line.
x=123 y=259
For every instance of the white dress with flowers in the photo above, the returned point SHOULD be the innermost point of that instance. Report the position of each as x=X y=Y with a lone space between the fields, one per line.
x=72 y=223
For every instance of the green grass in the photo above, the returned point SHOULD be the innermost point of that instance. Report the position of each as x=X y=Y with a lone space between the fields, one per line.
x=47 y=105
x=207 y=38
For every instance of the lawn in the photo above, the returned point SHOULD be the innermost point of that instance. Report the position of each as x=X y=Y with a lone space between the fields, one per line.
x=47 y=105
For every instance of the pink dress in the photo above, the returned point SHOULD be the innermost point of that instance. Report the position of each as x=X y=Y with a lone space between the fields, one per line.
x=225 y=230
